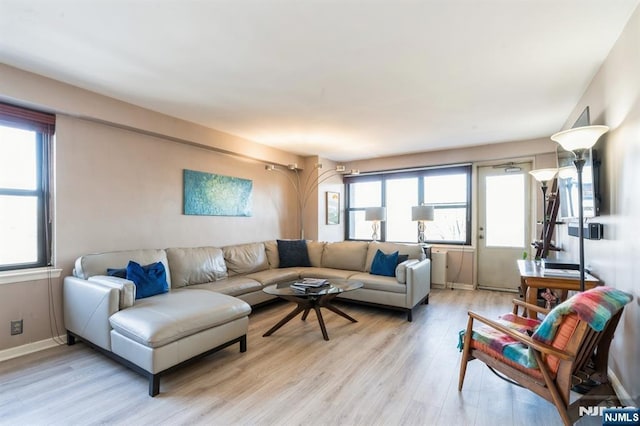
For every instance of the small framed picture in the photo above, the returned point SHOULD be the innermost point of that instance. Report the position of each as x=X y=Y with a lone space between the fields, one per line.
x=333 y=208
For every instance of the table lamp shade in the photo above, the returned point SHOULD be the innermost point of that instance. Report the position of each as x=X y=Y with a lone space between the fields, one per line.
x=375 y=213
x=421 y=213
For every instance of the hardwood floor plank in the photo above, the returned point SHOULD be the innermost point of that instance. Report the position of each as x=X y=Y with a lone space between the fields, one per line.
x=381 y=370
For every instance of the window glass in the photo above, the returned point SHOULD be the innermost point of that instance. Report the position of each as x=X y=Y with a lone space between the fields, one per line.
x=19 y=226
x=365 y=194
x=402 y=194
x=505 y=227
x=25 y=137
x=360 y=229
x=447 y=189
x=18 y=159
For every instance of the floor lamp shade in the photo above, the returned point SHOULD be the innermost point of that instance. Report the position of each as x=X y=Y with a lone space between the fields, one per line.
x=579 y=137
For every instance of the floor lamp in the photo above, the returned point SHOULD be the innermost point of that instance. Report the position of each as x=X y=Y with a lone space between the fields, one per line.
x=544 y=176
x=579 y=140
x=304 y=187
x=375 y=215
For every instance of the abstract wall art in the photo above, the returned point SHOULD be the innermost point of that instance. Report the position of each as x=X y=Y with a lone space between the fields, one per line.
x=208 y=194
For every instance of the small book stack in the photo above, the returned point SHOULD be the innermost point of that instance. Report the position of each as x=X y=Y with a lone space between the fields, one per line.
x=309 y=284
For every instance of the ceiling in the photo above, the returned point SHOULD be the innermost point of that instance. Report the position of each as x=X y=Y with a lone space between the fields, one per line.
x=343 y=79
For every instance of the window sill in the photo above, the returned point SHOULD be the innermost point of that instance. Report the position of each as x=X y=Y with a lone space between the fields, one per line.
x=21 y=275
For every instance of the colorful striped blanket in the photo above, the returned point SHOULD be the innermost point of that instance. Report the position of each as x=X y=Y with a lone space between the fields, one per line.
x=595 y=306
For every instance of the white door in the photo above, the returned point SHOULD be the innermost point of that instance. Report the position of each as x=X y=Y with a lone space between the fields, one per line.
x=503 y=224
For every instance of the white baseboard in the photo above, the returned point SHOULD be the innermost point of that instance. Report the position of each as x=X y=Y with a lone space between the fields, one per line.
x=622 y=394
x=31 y=348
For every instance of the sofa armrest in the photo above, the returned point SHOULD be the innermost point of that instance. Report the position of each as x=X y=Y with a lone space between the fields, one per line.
x=126 y=288
x=418 y=281
x=87 y=307
x=401 y=270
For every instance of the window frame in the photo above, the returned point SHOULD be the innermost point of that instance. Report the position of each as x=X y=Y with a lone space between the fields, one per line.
x=43 y=124
x=421 y=173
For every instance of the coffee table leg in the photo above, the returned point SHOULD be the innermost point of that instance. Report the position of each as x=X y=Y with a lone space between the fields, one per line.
x=339 y=312
x=321 y=321
x=285 y=320
x=305 y=314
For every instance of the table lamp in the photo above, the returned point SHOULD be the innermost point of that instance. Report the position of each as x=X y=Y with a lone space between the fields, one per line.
x=421 y=214
x=375 y=215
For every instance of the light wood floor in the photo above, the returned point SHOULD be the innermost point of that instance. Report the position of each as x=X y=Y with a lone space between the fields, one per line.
x=382 y=370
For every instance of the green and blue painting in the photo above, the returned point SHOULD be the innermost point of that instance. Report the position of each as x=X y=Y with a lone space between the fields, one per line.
x=208 y=194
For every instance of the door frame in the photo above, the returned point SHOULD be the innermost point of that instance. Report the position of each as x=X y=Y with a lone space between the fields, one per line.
x=534 y=194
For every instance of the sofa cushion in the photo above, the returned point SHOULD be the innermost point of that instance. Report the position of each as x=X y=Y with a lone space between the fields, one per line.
x=97 y=264
x=292 y=253
x=232 y=286
x=271 y=250
x=245 y=258
x=117 y=272
x=413 y=250
x=150 y=280
x=325 y=273
x=348 y=255
x=196 y=265
x=379 y=282
x=384 y=264
x=273 y=276
x=162 y=319
x=315 y=249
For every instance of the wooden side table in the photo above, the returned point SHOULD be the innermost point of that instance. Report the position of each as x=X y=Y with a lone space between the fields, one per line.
x=532 y=278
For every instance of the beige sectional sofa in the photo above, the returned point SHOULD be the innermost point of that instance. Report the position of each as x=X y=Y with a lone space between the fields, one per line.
x=211 y=293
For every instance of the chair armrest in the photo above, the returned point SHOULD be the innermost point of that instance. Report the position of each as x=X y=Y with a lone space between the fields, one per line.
x=126 y=288
x=523 y=338
x=519 y=303
x=87 y=307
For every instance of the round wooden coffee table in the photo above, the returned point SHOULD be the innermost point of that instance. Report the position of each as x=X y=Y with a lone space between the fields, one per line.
x=314 y=298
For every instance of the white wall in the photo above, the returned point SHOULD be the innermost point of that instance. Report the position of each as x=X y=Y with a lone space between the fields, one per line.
x=613 y=98
x=117 y=189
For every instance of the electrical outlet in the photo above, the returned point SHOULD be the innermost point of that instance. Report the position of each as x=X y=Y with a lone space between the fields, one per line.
x=16 y=327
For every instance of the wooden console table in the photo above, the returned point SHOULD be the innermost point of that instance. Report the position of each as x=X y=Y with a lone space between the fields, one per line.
x=532 y=278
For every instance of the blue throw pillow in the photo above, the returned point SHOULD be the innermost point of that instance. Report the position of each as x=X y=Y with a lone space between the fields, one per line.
x=402 y=258
x=117 y=272
x=384 y=264
x=149 y=280
x=293 y=253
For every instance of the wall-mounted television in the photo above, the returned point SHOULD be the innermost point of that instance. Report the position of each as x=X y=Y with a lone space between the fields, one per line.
x=568 y=179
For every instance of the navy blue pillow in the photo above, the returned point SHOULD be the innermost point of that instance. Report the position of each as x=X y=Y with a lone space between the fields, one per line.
x=117 y=272
x=384 y=264
x=402 y=258
x=149 y=280
x=293 y=253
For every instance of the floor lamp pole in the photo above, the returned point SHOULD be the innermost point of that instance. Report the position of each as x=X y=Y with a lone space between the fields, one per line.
x=545 y=250
x=579 y=163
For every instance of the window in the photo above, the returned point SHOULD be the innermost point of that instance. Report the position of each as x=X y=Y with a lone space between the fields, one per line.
x=447 y=189
x=25 y=138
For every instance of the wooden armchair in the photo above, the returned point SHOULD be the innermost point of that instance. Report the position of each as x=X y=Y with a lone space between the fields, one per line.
x=573 y=347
